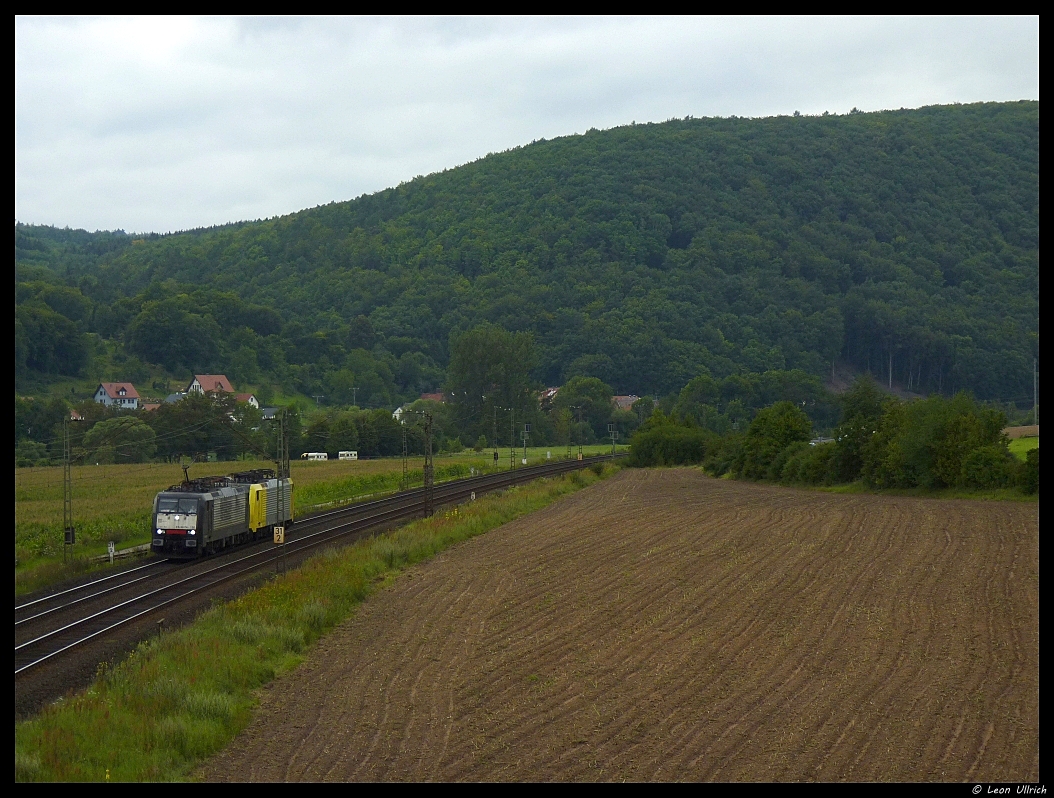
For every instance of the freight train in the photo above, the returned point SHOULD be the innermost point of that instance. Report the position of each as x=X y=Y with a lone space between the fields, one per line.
x=201 y=516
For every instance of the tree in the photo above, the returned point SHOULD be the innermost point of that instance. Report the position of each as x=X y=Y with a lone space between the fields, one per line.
x=937 y=443
x=861 y=412
x=343 y=434
x=490 y=368
x=120 y=440
x=772 y=430
x=199 y=424
x=167 y=334
x=588 y=398
x=47 y=341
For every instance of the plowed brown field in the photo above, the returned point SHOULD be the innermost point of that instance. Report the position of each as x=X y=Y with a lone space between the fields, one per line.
x=667 y=626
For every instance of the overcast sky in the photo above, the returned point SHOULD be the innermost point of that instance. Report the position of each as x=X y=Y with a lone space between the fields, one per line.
x=161 y=124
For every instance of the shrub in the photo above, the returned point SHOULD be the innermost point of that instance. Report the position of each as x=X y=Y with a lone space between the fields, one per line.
x=724 y=455
x=926 y=443
x=809 y=465
x=29 y=453
x=987 y=467
x=789 y=461
x=669 y=444
x=1028 y=474
x=772 y=430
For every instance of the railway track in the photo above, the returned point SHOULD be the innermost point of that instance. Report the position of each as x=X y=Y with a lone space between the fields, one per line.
x=82 y=623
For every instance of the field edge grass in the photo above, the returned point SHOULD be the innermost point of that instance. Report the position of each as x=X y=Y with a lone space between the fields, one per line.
x=179 y=699
x=41 y=559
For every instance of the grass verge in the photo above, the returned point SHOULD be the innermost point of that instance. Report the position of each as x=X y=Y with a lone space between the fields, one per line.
x=179 y=699
x=112 y=502
x=990 y=494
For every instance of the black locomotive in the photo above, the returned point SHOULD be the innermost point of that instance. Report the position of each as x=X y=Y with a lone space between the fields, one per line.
x=200 y=516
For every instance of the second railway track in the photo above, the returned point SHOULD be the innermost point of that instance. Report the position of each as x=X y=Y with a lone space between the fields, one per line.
x=67 y=626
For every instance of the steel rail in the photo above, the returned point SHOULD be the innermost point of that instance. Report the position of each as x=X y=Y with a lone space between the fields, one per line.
x=395 y=514
x=86 y=585
x=397 y=507
x=309 y=521
x=369 y=521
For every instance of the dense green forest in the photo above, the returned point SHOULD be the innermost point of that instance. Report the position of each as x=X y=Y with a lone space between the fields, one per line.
x=649 y=257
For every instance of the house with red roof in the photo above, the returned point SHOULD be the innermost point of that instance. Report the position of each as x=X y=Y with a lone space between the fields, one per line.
x=248 y=398
x=210 y=383
x=546 y=397
x=117 y=394
x=624 y=402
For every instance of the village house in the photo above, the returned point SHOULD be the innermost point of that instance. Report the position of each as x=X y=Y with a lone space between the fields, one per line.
x=117 y=394
x=546 y=397
x=210 y=383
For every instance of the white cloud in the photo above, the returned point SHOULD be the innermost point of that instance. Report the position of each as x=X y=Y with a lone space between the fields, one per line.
x=170 y=123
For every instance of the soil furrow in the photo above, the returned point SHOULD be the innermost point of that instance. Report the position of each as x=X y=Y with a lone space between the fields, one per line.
x=667 y=626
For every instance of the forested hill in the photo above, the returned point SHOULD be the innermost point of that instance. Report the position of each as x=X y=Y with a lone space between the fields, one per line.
x=644 y=255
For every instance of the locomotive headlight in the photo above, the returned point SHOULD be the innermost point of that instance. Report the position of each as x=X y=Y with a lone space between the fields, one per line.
x=159 y=532
x=191 y=531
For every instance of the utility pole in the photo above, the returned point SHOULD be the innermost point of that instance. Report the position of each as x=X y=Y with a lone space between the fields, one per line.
x=570 y=423
x=429 y=468
x=354 y=396
x=405 y=483
x=579 y=409
x=494 y=435
x=512 y=439
x=282 y=464
x=70 y=535
x=526 y=434
x=318 y=399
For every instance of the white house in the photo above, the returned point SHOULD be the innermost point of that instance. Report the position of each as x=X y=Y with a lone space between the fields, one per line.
x=119 y=394
x=210 y=383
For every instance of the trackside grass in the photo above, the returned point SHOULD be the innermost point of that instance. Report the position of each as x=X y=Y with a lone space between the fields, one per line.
x=179 y=699
x=975 y=494
x=112 y=502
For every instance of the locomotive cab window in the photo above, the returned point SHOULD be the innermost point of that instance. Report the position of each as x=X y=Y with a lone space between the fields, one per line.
x=187 y=506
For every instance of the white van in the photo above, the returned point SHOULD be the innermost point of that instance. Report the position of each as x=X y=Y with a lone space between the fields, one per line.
x=314 y=456
x=348 y=455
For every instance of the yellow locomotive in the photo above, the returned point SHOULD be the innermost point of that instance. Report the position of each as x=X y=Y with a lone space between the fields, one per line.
x=201 y=516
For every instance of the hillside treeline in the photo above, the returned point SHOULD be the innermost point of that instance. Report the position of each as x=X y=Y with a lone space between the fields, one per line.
x=881 y=440
x=492 y=402
x=902 y=243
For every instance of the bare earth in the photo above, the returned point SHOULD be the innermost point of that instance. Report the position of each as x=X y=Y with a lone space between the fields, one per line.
x=667 y=626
